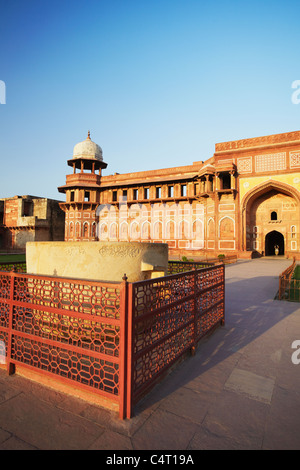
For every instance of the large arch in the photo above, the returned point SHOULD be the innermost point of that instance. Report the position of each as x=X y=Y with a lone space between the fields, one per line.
x=253 y=231
x=265 y=187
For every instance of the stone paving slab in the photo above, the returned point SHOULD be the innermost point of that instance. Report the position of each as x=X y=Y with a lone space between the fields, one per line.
x=240 y=391
x=282 y=429
x=252 y=385
x=35 y=422
x=237 y=419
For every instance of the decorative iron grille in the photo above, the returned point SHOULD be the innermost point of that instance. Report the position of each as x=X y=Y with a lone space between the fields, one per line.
x=70 y=328
x=169 y=316
x=115 y=339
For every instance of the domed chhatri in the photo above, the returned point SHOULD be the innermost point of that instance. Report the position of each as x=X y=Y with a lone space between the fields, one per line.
x=82 y=191
x=88 y=149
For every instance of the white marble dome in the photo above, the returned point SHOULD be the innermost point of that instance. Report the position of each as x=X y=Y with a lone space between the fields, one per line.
x=88 y=149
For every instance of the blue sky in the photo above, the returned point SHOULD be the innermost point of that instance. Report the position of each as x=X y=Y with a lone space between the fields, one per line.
x=157 y=82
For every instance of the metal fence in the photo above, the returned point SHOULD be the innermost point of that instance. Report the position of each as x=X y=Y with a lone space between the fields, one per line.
x=64 y=327
x=289 y=287
x=175 y=267
x=169 y=316
x=17 y=266
x=115 y=339
x=183 y=266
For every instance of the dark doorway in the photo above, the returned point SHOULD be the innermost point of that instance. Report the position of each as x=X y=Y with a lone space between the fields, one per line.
x=272 y=240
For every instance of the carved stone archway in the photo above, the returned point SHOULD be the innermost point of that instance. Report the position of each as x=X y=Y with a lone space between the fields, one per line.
x=252 y=235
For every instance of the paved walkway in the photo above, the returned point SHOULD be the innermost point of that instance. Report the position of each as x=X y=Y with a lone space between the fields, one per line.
x=240 y=391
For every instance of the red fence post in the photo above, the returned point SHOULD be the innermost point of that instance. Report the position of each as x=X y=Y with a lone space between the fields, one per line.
x=129 y=355
x=123 y=347
x=223 y=281
x=125 y=371
x=193 y=348
x=10 y=366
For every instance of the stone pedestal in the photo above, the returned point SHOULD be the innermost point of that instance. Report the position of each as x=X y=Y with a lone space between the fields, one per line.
x=105 y=261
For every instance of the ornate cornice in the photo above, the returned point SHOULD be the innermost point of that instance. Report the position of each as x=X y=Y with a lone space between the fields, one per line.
x=285 y=138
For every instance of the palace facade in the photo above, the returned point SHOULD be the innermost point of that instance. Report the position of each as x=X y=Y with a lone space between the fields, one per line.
x=244 y=200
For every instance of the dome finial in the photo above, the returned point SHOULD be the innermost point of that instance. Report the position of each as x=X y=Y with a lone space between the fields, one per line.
x=87 y=149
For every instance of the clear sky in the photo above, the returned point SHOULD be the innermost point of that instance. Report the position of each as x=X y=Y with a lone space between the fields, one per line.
x=157 y=82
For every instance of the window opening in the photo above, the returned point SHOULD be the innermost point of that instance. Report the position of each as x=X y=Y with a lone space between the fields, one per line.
x=183 y=190
x=226 y=181
x=170 y=191
x=27 y=208
x=273 y=215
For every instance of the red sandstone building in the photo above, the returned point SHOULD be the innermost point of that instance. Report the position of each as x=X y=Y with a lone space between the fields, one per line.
x=243 y=200
x=29 y=218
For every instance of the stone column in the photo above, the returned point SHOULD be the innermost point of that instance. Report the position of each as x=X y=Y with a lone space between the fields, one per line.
x=232 y=180
x=218 y=185
x=206 y=183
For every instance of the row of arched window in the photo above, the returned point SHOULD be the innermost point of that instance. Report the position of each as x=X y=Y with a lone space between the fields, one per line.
x=156 y=230
x=81 y=230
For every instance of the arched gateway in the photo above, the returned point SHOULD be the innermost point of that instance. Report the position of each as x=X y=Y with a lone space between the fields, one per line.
x=270 y=215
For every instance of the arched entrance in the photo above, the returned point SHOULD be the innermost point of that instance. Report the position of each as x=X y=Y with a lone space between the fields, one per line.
x=271 y=216
x=272 y=240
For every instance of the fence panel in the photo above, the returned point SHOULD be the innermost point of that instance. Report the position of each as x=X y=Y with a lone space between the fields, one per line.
x=288 y=290
x=210 y=299
x=169 y=316
x=17 y=266
x=115 y=339
x=175 y=267
x=72 y=329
